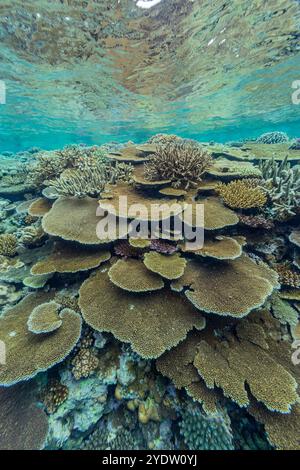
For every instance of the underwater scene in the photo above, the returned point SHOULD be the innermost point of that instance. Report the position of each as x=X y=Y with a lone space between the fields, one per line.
x=150 y=225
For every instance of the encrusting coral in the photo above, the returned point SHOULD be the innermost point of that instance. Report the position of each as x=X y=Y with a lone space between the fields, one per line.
x=182 y=162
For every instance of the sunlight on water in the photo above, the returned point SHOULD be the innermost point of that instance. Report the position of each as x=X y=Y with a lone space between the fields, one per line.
x=114 y=70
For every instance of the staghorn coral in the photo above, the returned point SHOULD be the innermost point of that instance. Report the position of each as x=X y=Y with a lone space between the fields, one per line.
x=23 y=426
x=84 y=363
x=182 y=162
x=27 y=353
x=217 y=287
x=8 y=245
x=53 y=395
x=282 y=183
x=275 y=137
x=167 y=266
x=202 y=432
x=132 y=275
x=90 y=180
x=242 y=194
x=256 y=221
x=64 y=259
x=142 y=320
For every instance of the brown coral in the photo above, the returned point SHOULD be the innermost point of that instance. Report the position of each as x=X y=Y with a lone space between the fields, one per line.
x=54 y=395
x=242 y=194
x=182 y=162
x=231 y=288
x=8 y=245
x=133 y=276
x=84 y=363
x=167 y=266
x=142 y=320
x=287 y=276
x=66 y=259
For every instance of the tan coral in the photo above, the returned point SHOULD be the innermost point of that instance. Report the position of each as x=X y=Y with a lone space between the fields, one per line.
x=39 y=207
x=84 y=363
x=132 y=275
x=242 y=194
x=216 y=215
x=167 y=266
x=144 y=321
x=53 y=395
x=231 y=288
x=66 y=259
x=27 y=353
x=8 y=244
x=76 y=220
x=44 y=318
x=219 y=247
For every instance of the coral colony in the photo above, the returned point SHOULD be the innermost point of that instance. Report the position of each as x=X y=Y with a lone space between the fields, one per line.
x=139 y=339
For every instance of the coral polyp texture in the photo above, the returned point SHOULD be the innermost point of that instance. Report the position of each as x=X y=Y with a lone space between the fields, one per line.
x=171 y=328
x=181 y=162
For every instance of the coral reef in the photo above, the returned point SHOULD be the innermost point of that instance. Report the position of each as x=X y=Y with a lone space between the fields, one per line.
x=23 y=426
x=148 y=339
x=181 y=162
x=242 y=194
x=273 y=138
x=8 y=244
x=202 y=432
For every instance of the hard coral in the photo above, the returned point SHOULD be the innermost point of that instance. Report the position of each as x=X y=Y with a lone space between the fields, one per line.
x=8 y=244
x=205 y=432
x=242 y=194
x=84 y=363
x=27 y=353
x=182 y=162
x=53 y=395
x=275 y=137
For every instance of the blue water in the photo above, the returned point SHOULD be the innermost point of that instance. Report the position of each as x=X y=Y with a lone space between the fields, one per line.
x=200 y=70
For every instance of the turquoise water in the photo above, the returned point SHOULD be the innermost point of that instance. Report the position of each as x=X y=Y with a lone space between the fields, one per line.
x=113 y=72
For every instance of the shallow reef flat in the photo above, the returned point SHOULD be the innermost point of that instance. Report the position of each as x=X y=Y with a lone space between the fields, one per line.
x=151 y=342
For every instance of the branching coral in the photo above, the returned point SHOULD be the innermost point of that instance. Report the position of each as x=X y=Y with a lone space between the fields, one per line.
x=282 y=183
x=182 y=162
x=8 y=244
x=90 y=180
x=205 y=432
x=275 y=137
x=242 y=194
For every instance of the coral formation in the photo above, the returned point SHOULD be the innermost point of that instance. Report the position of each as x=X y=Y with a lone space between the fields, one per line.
x=23 y=426
x=131 y=275
x=202 y=432
x=8 y=244
x=182 y=162
x=27 y=353
x=44 y=318
x=169 y=267
x=242 y=194
x=273 y=138
x=84 y=363
x=53 y=395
